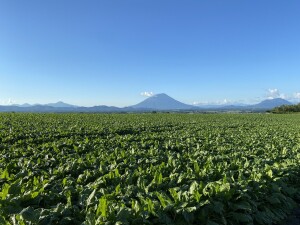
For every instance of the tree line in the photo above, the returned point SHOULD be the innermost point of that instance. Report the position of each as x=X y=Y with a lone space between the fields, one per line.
x=286 y=109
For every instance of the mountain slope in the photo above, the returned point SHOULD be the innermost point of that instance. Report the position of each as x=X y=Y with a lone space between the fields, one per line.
x=162 y=102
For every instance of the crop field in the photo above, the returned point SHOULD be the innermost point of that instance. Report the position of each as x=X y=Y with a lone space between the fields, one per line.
x=91 y=169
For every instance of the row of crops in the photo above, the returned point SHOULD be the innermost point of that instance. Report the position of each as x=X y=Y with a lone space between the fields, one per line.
x=92 y=169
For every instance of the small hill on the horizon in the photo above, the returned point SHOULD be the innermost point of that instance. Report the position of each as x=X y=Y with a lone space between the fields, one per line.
x=271 y=103
x=162 y=102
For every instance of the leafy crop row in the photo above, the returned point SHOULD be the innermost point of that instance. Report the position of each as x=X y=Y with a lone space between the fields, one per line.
x=148 y=169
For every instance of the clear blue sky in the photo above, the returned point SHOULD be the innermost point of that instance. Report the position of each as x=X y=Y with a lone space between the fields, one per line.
x=109 y=51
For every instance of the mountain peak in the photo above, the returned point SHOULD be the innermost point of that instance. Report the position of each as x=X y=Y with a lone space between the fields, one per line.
x=161 y=95
x=60 y=104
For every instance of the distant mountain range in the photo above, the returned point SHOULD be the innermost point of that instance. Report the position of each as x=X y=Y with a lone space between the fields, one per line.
x=59 y=104
x=159 y=102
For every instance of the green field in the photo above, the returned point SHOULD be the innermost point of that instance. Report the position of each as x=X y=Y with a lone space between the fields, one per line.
x=148 y=168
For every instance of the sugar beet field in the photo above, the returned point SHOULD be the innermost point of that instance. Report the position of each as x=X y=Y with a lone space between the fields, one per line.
x=91 y=169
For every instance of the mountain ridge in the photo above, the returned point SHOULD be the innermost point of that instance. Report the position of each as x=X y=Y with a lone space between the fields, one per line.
x=158 y=102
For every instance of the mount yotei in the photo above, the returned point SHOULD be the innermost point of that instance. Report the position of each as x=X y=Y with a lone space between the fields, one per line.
x=162 y=102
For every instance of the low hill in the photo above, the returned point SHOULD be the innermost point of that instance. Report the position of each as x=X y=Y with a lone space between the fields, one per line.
x=270 y=103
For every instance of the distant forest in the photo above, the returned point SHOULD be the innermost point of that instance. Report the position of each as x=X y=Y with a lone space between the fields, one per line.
x=286 y=109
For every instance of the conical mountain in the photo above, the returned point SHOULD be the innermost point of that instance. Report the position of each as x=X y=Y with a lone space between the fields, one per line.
x=162 y=102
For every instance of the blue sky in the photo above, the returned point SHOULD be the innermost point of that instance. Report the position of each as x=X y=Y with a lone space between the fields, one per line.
x=109 y=52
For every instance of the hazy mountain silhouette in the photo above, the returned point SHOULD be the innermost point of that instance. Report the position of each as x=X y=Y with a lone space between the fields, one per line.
x=216 y=106
x=22 y=105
